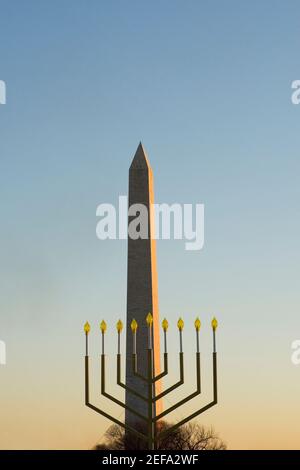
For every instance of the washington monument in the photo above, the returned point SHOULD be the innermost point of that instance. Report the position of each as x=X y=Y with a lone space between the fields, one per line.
x=142 y=292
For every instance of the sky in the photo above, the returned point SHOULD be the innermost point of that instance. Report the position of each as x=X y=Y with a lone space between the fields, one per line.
x=206 y=86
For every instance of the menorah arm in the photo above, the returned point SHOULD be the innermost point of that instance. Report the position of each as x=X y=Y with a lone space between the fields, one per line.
x=176 y=385
x=112 y=398
x=103 y=413
x=121 y=384
x=184 y=400
x=201 y=410
x=134 y=368
x=165 y=371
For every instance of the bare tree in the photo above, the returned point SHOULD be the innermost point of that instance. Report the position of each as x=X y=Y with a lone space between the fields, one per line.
x=192 y=436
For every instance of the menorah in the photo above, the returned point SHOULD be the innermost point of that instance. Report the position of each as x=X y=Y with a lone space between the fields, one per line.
x=151 y=435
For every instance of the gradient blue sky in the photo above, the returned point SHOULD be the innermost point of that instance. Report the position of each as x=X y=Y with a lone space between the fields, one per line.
x=206 y=86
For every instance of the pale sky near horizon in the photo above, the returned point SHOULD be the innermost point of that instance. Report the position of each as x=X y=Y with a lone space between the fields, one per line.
x=206 y=86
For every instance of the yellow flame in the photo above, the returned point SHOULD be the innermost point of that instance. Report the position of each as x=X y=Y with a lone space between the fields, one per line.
x=119 y=326
x=214 y=323
x=134 y=326
x=149 y=319
x=180 y=324
x=165 y=324
x=197 y=324
x=87 y=328
x=103 y=326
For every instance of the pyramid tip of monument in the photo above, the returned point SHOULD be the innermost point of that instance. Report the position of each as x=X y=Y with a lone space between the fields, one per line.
x=140 y=160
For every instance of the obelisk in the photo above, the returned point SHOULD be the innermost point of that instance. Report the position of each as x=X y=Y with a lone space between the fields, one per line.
x=142 y=294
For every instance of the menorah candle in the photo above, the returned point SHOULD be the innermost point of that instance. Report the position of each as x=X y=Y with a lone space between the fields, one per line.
x=197 y=327
x=134 y=326
x=119 y=329
x=86 y=330
x=149 y=320
x=165 y=325
x=214 y=324
x=103 y=330
x=180 y=325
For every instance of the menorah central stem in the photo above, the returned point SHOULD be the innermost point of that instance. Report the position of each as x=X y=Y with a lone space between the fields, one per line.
x=150 y=401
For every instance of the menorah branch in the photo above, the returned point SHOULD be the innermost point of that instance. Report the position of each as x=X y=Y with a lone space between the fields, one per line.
x=176 y=385
x=103 y=413
x=112 y=398
x=134 y=368
x=124 y=386
x=165 y=371
x=201 y=410
x=188 y=398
